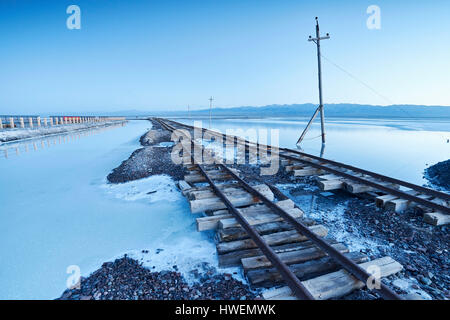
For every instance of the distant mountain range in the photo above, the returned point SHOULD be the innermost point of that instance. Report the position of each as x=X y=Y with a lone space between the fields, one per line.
x=306 y=110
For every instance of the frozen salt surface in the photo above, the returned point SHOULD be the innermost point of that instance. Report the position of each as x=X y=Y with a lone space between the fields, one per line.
x=333 y=217
x=153 y=189
x=185 y=254
x=165 y=144
x=406 y=284
x=218 y=150
x=337 y=224
x=57 y=210
x=232 y=153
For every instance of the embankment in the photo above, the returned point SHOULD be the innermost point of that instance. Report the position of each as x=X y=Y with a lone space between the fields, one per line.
x=439 y=174
x=154 y=158
x=22 y=134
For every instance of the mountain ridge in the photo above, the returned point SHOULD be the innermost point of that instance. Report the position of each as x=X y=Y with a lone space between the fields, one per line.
x=307 y=109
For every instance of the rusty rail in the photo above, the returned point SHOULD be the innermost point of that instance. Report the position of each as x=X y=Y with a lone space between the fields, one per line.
x=291 y=279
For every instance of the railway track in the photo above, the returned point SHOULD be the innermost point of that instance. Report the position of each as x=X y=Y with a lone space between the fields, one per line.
x=263 y=231
x=387 y=192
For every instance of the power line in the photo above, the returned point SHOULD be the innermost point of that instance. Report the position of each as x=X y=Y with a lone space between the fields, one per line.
x=366 y=85
x=357 y=79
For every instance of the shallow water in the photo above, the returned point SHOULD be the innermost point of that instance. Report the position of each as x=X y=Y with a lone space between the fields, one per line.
x=57 y=210
x=398 y=148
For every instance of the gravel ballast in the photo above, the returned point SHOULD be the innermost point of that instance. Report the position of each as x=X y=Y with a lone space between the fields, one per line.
x=153 y=159
x=127 y=279
x=439 y=174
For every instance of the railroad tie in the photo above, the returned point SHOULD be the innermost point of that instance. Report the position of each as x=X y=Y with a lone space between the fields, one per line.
x=260 y=234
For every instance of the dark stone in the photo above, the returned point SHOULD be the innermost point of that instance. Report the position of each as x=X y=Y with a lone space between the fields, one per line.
x=439 y=174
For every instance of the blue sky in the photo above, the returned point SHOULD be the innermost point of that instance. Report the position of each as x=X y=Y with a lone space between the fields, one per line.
x=164 y=55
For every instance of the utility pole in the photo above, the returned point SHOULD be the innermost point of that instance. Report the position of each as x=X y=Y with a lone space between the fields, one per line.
x=317 y=40
x=210 y=108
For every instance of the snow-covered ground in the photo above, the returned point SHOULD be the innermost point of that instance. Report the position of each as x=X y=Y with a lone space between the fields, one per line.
x=7 y=135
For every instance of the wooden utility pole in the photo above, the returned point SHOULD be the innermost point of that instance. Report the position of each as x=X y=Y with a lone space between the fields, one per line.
x=317 y=40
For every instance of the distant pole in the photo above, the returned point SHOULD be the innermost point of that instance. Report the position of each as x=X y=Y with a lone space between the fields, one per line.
x=317 y=40
x=210 y=108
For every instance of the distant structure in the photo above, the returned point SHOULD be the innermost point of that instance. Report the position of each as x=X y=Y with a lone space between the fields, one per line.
x=317 y=40
x=210 y=109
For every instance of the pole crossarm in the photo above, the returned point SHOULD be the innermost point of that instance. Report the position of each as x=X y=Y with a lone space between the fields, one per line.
x=321 y=38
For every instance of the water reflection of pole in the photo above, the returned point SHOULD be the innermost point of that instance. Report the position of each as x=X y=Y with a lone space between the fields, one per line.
x=6 y=153
x=313 y=203
x=322 y=149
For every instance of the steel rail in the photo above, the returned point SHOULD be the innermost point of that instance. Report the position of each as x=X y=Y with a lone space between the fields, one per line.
x=345 y=262
x=389 y=190
x=361 y=180
x=415 y=187
x=291 y=279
